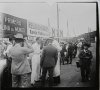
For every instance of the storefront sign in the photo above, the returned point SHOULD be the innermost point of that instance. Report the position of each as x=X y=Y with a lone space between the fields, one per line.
x=37 y=30
x=11 y=25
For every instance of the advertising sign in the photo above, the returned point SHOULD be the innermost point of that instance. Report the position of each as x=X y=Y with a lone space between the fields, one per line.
x=11 y=25
x=37 y=30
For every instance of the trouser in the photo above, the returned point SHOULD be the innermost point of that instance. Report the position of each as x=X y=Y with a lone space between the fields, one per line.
x=60 y=60
x=23 y=80
x=6 y=79
x=56 y=79
x=85 y=72
x=7 y=76
x=50 y=73
x=63 y=59
x=74 y=54
x=69 y=60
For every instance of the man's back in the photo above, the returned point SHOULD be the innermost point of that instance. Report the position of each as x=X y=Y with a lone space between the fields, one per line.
x=70 y=49
x=20 y=64
x=49 y=56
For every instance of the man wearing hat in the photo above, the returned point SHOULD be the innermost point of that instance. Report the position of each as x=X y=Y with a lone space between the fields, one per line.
x=85 y=56
x=70 y=53
x=48 y=61
x=20 y=68
x=7 y=70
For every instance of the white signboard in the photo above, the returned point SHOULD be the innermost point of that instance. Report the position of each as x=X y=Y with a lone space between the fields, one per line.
x=31 y=38
x=37 y=30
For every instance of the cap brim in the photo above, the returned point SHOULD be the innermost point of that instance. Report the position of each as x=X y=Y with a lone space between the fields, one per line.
x=19 y=39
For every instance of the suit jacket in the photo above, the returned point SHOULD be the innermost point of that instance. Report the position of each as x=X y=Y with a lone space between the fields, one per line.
x=70 y=49
x=49 y=56
x=85 y=58
x=62 y=51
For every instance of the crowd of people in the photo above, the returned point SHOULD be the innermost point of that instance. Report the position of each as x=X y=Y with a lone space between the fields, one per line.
x=28 y=63
x=68 y=52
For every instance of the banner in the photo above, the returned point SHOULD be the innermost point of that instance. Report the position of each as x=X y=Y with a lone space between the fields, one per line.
x=11 y=25
x=37 y=30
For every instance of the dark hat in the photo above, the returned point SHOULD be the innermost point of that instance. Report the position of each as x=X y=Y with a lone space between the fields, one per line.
x=11 y=38
x=19 y=37
x=87 y=44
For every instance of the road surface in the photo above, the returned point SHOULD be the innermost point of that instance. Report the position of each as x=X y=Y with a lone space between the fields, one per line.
x=71 y=76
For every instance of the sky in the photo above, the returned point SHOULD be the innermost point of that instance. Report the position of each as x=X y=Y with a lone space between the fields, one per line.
x=74 y=18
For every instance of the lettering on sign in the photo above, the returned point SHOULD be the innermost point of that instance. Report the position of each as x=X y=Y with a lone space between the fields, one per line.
x=34 y=29
x=12 y=21
x=37 y=26
x=12 y=25
x=33 y=32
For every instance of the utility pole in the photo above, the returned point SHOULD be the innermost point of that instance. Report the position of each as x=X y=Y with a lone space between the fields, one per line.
x=89 y=31
x=74 y=32
x=50 y=32
x=90 y=35
x=67 y=29
x=48 y=22
x=58 y=21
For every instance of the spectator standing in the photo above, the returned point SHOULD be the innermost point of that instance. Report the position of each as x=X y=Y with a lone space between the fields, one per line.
x=85 y=62
x=70 y=53
x=7 y=70
x=20 y=68
x=48 y=61
x=63 y=53
x=35 y=75
x=56 y=74
x=75 y=50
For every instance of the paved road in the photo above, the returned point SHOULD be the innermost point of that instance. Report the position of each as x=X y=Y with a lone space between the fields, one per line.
x=71 y=77
x=70 y=74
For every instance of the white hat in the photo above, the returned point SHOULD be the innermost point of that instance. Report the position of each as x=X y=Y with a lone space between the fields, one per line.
x=19 y=35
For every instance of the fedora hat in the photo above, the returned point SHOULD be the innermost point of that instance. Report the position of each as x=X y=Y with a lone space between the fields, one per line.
x=19 y=37
x=87 y=44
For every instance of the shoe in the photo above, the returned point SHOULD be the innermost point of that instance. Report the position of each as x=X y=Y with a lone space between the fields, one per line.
x=83 y=80
x=32 y=85
x=88 y=79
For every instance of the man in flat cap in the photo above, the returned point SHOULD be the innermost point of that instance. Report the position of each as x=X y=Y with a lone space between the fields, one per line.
x=85 y=56
x=20 y=68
